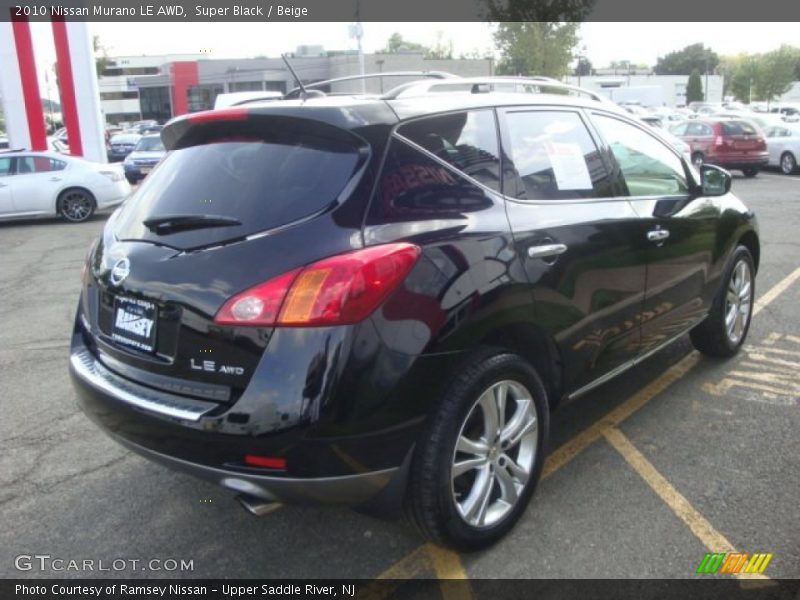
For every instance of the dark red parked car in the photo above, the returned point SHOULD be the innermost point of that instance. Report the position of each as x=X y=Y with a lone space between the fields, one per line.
x=729 y=143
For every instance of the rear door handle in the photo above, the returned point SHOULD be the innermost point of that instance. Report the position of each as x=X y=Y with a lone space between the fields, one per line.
x=546 y=250
x=55 y=179
x=657 y=235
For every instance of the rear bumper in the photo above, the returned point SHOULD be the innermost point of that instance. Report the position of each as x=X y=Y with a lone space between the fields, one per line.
x=135 y=171
x=349 y=449
x=738 y=162
x=113 y=194
x=349 y=490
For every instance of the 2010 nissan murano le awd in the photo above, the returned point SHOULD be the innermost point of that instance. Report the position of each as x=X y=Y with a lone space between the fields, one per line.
x=377 y=301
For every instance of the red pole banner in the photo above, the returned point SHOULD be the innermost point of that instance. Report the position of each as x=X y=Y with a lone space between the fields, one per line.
x=30 y=82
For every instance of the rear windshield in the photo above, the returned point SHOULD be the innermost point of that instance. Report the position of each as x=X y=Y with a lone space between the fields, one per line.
x=150 y=144
x=738 y=128
x=262 y=184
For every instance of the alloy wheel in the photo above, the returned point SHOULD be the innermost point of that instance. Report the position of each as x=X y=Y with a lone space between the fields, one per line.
x=495 y=453
x=788 y=164
x=76 y=205
x=738 y=302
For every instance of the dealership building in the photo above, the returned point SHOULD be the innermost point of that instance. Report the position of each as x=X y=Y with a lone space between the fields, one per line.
x=649 y=89
x=160 y=87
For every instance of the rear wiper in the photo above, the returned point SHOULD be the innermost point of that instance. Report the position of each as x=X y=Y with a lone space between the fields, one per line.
x=172 y=223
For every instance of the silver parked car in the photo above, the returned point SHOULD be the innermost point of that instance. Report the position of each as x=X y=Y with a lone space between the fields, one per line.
x=783 y=145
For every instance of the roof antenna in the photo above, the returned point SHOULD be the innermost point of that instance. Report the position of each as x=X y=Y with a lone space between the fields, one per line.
x=296 y=78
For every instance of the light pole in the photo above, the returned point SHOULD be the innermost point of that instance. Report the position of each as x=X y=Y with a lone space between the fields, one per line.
x=380 y=62
x=581 y=57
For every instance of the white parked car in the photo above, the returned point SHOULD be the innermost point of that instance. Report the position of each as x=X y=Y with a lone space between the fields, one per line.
x=47 y=184
x=783 y=146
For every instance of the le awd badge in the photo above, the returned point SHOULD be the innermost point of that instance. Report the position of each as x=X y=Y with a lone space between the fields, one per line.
x=210 y=366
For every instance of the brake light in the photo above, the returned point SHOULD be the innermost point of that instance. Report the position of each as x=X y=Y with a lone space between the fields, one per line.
x=719 y=141
x=224 y=114
x=339 y=290
x=266 y=462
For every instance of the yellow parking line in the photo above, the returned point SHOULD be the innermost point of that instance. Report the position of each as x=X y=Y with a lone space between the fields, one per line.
x=565 y=453
x=580 y=442
x=776 y=290
x=453 y=579
x=697 y=523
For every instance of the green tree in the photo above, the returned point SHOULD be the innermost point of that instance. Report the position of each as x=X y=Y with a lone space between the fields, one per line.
x=775 y=73
x=694 y=88
x=691 y=58
x=741 y=76
x=535 y=48
x=535 y=36
x=100 y=55
x=442 y=50
x=396 y=44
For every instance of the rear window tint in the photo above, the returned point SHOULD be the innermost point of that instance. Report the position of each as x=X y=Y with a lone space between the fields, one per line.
x=414 y=187
x=261 y=183
x=738 y=128
x=466 y=140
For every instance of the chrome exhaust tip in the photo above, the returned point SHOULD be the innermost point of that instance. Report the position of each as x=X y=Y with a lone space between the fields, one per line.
x=257 y=506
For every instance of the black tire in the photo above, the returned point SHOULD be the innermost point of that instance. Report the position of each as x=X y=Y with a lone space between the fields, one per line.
x=750 y=171
x=131 y=180
x=788 y=163
x=432 y=500
x=712 y=336
x=698 y=159
x=76 y=205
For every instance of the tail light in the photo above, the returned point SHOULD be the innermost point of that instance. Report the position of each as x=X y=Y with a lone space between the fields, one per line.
x=339 y=290
x=719 y=141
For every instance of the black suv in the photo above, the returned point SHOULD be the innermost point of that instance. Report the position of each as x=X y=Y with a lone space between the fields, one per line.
x=377 y=301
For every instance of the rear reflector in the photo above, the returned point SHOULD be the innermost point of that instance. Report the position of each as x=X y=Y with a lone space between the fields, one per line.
x=224 y=114
x=266 y=462
x=339 y=290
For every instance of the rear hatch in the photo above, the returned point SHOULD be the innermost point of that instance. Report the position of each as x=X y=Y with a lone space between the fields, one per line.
x=232 y=205
x=741 y=137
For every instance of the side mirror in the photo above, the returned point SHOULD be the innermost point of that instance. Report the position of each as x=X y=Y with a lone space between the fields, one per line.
x=714 y=181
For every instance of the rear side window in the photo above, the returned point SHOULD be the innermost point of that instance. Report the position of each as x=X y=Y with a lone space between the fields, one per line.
x=699 y=129
x=466 y=140
x=679 y=129
x=648 y=166
x=150 y=144
x=554 y=157
x=262 y=183
x=413 y=186
x=39 y=164
x=738 y=128
x=5 y=166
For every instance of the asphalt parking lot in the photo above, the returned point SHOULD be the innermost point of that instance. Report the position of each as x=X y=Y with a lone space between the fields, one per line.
x=684 y=456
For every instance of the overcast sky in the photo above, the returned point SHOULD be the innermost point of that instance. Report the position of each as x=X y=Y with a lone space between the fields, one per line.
x=637 y=42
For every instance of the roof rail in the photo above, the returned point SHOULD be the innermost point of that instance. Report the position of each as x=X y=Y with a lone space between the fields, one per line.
x=482 y=85
x=439 y=75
